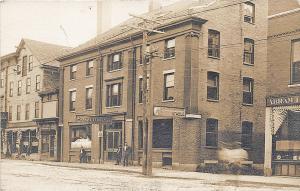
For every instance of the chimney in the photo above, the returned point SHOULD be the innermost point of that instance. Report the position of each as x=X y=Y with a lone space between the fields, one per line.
x=103 y=15
x=154 y=5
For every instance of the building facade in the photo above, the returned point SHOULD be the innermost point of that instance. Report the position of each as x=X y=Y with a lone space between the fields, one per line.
x=208 y=86
x=29 y=74
x=282 y=141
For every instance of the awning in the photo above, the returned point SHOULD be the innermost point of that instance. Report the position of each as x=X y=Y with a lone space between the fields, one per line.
x=20 y=129
x=279 y=116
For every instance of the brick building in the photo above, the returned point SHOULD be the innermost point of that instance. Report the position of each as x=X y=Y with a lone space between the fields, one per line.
x=282 y=156
x=212 y=68
x=29 y=78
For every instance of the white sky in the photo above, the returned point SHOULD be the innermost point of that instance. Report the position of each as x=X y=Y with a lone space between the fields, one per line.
x=41 y=20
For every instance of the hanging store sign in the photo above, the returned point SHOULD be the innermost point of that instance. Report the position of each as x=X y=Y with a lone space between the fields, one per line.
x=94 y=119
x=282 y=101
x=168 y=111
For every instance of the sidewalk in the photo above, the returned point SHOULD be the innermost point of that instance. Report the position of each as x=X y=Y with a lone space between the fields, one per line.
x=276 y=181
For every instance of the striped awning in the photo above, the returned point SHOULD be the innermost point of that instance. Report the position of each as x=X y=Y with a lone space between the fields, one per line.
x=279 y=116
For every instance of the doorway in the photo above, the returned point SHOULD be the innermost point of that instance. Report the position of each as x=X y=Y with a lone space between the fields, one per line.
x=113 y=138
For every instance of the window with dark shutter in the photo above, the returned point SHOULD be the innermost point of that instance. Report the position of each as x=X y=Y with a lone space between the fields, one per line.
x=113 y=95
x=212 y=132
x=246 y=137
x=114 y=62
x=295 y=73
x=212 y=86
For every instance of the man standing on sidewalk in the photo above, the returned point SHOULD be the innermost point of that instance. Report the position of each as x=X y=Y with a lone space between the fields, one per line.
x=126 y=153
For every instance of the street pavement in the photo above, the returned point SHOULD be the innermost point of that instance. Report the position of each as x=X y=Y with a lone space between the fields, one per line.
x=17 y=175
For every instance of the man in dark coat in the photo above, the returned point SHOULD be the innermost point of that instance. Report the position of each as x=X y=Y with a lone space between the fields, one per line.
x=82 y=155
x=126 y=153
x=119 y=155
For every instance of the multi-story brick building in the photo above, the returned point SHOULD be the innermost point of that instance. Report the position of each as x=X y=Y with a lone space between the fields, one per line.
x=29 y=74
x=282 y=140
x=212 y=70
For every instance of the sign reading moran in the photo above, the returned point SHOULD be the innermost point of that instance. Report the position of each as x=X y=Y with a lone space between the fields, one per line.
x=281 y=101
x=94 y=119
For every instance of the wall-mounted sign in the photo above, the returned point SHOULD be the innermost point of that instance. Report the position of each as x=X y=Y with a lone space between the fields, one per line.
x=283 y=101
x=168 y=111
x=94 y=119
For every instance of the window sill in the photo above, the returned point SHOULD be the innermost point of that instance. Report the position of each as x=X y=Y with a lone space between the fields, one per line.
x=111 y=71
x=247 y=148
x=164 y=59
x=293 y=85
x=72 y=111
x=248 y=64
x=216 y=58
x=165 y=101
x=213 y=100
x=90 y=109
x=252 y=23
x=248 y=104
x=72 y=79
x=89 y=76
x=210 y=147
x=111 y=107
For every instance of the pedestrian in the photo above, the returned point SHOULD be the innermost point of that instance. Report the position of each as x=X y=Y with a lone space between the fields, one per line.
x=82 y=155
x=119 y=155
x=126 y=152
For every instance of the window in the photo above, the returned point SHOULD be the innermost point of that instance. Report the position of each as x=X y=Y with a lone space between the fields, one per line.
x=246 y=137
x=36 y=109
x=169 y=91
x=89 y=98
x=162 y=134
x=30 y=63
x=90 y=68
x=295 y=78
x=114 y=62
x=18 y=69
x=2 y=79
x=169 y=48
x=10 y=113
x=141 y=134
x=11 y=89
x=248 y=51
x=212 y=132
x=27 y=110
x=28 y=85
x=212 y=86
x=24 y=66
x=141 y=88
x=214 y=43
x=73 y=70
x=113 y=95
x=72 y=100
x=37 y=82
x=248 y=91
x=249 y=12
x=19 y=87
x=147 y=54
x=18 y=112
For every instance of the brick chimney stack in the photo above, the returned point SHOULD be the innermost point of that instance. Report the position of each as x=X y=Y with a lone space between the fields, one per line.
x=104 y=14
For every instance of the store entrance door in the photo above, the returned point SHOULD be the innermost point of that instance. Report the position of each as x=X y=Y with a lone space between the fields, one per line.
x=113 y=138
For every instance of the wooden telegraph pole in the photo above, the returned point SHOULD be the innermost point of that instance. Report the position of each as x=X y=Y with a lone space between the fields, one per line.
x=147 y=98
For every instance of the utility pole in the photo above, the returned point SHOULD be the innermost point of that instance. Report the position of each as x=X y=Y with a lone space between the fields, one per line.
x=147 y=105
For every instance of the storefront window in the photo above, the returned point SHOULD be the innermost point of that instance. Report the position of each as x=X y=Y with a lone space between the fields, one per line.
x=163 y=133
